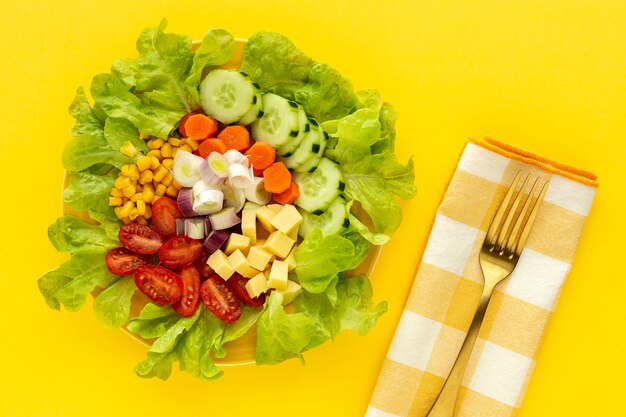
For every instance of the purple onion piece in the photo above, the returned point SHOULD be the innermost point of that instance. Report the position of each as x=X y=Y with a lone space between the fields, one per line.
x=214 y=241
x=224 y=219
x=185 y=202
x=180 y=226
x=210 y=175
x=207 y=226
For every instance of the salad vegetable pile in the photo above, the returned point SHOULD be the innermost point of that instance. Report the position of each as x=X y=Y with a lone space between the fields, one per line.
x=224 y=200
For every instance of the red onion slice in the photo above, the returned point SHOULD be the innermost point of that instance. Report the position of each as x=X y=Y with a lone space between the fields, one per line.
x=224 y=219
x=215 y=240
x=180 y=227
x=185 y=202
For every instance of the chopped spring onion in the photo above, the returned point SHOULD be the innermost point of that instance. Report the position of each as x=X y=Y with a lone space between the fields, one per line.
x=224 y=219
x=214 y=169
x=194 y=228
x=185 y=202
x=235 y=157
x=240 y=176
x=186 y=168
x=180 y=227
x=256 y=192
x=215 y=240
x=233 y=197
x=208 y=202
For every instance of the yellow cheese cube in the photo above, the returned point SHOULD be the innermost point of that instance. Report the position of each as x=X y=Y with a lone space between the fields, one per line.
x=278 y=276
x=258 y=257
x=294 y=233
x=235 y=242
x=257 y=285
x=291 y=292
x=279 y=244
x=248 y=224
x=265 y=215
x=220 y=264
x=239 y=262
x=291 y=259
x=275 y=207
x=287 y=219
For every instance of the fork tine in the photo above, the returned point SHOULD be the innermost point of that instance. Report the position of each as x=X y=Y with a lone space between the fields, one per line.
x=531 y=219
x=513 y=238
x=495 y=223
x=502 y=241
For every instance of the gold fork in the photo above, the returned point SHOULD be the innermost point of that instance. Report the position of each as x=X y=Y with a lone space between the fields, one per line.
x=499 y=254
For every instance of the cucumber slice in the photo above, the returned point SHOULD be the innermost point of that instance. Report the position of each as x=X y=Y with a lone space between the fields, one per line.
x=319 y=188
x=332 y=221
x=255 y=111
x=227 y=95
x=279 y=122
x=292 y=144
x=307 y=149
x=311 y=164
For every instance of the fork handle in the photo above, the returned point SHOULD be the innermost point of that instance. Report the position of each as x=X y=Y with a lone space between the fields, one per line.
x=446 y=401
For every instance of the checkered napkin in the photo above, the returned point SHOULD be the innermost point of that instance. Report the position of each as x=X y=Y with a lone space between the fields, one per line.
x=449 y=282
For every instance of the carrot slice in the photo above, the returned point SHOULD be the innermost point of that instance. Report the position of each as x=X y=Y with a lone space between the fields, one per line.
x=261 y=155
x=235 y=137
x=197 y=126
x=211 y=145
x=288 y=196
x=277 y=178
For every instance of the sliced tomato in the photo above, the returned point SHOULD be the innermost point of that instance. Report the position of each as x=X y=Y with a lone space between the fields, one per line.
x=164 y=214
x=220 y=300
x=203 y=268
x=139 y=238
x=188 y=301
x=159 y=284
x=122 y=261
x=180 y=250
x=237 y=284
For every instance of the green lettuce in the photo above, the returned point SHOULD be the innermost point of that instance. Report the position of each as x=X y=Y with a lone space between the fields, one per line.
x=119 y=131
x=112 y=306
x=70 y=234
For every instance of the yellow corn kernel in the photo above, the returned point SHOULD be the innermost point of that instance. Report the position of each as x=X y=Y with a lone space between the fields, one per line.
x=145 y=177
x=148 y=192
x=144 y=163
x=166 y=150
x=159 y=190
x=144 y=136
x=185 y=147
x=174 y=141
x=128 y=149
x=124 y=200
x=116 y=192
x=148 y=212
x=159 y=173
x=133 y=213
x=167 y=179
x=192 y=143
x=136 y=197
x=123 y=182
x=155 y=161
x=155 y=143
x=168 y=163
x=141 y=220
x=176 y=184
x=133 y=172
x=115 y=201
x=156 y=153
x=125 y=210
x=124 y=170
x=141 y=207
x=138 y=187
x=129 y=191
x=171 y=191
x=127 y=220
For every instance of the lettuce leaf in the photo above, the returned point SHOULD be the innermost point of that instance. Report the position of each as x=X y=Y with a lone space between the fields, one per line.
x=153 y=321
x=70 y=234
x=112 y=306
x=119 y=131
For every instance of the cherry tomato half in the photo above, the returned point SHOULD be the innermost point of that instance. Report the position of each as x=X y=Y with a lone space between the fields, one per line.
x=220 y=300
x=122 y=261
x=139 y=238
x=188 y=301
x=159 y=284
x=180 y=250
x=164 y=214
x=237 y=284
x=203 y=269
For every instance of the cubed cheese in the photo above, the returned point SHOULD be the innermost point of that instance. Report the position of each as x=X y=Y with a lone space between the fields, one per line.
x=265 y=215
x=275 y=207
x=291 y=292
x=294 y=233
x=248 y=224
x=258 y=257
x=220 y=264
x=279 y=244
x=239 y=262
x=278 y=276
x=236 y=241
x=257 y=285
x=287 y=219
x=291 y=259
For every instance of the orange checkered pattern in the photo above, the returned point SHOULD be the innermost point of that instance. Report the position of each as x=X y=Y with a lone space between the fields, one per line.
x=449 y=282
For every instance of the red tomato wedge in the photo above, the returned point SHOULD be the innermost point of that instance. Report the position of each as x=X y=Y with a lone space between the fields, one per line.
x=220 y=300
x=122 y=261
x=237 y=284
x=203 y=269
x=164 y=214
x=159 y=284
x=139 y=238
x=180 y=250
x=188 y=301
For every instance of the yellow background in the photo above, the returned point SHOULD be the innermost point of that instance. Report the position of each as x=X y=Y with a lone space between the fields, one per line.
x=546 y=75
